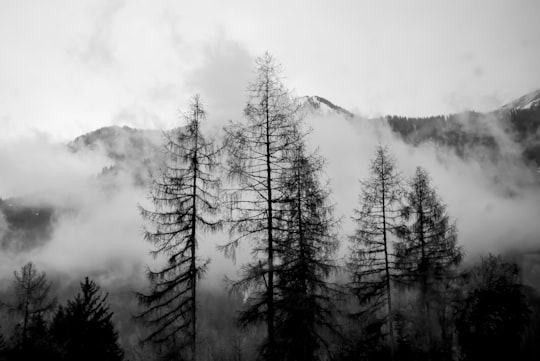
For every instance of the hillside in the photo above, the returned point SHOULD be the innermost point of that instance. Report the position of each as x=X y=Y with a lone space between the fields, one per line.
x=490 y=133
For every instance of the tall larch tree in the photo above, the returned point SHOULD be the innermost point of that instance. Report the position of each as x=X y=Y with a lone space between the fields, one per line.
x=257 y=158
x=185 y=199
x=427 y=252
x=33 y=299
x=371 y=263
x=306 y=246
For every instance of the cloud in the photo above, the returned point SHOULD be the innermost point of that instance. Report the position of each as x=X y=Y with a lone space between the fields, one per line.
x=97 y=50
x=222 y=78
x=96 y=228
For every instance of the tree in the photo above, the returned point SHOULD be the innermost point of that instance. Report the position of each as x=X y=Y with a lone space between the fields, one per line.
x=84 y=329
x=185 y=204
x=427 y=252
x=371 y=263
x=493 y=316
x=32 y=300
x=257 y=158
x=3 y=346
x=306 y=248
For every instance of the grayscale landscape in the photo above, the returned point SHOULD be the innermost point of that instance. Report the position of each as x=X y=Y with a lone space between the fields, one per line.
x=282 y=181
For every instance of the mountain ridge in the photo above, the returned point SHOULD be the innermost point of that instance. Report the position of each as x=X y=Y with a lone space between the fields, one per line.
x=528 y=101
x=519 y=120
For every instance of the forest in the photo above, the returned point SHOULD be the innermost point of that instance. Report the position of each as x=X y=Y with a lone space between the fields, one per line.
x=397 y=288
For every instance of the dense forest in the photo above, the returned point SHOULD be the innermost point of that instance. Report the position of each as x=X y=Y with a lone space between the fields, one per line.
x=399 y=289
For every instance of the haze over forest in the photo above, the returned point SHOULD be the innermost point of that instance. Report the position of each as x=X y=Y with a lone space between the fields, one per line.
x=77 y=162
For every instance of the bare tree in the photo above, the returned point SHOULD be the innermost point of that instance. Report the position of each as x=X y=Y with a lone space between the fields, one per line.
x=32 y=298
x=185 y=203
x=372 y=261
x=257 y=158
x=427 y=252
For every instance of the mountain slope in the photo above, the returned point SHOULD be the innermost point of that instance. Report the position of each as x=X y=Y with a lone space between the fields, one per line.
x=527 y=101
x=321 y=106
x=134 y=151
x=515 y=127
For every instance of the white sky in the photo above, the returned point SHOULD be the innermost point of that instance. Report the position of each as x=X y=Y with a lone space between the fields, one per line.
x=68 y=67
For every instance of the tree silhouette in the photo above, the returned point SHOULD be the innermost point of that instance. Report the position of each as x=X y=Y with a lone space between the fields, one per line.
x=185 y=201
x=257 y=158
x=371 y=263
x=84 y=329
x=32 y=300
x=306 y=247
x=493 y=316
x=427 y=252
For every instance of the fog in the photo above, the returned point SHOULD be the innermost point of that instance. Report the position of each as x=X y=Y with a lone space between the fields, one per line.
x=495 y=203
x=98 y=229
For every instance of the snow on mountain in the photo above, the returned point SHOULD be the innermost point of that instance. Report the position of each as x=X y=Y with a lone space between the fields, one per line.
x=527 y=101
x=322 y=106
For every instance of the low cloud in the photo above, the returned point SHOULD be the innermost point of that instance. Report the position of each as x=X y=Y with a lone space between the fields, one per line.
x=98 y=230
x=96 y=226
x=495 y=202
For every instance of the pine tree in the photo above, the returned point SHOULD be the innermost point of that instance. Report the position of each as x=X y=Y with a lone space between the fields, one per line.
x=306 y=248
x=257 y=158
x=371 y=263
x=493 y=317
x=186 y=204
x=84 y=329
x=427 y=252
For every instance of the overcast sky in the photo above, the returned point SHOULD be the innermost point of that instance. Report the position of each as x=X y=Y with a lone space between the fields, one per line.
x=68 y=67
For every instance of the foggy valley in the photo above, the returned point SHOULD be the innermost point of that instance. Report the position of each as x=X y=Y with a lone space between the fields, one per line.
x=180 y=189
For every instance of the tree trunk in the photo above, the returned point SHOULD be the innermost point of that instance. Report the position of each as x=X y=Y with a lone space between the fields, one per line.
x=193 y=242
x=390 y=320
x=270 y=290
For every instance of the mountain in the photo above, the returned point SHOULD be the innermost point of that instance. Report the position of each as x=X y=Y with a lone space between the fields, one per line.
x=321 y=106
x=527 y=101
x=515 y=127
x=133 y=151
x=116 y=141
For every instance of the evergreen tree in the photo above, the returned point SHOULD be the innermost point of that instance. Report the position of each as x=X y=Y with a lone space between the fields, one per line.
x=84 y=329
x=493 y=316
x=257 y=159
x=185 y=201
x=306 y=246
x=427 y=252
x=371 y=263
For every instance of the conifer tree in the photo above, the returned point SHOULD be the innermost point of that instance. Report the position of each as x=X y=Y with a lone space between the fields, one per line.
x=492 y=318
x=257 y=159
x=306 y=247
x=372 y=263
x=427 y=251
x=84 y=328
x=185 y=202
